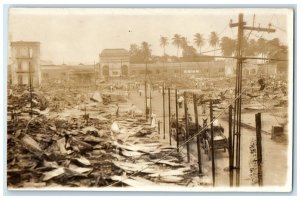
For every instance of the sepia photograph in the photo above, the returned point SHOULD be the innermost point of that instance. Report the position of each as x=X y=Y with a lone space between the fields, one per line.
x=150 y=99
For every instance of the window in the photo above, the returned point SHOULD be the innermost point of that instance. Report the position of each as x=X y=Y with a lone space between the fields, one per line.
x=142 y=72
x=19 y=65
x=25 y=65
x=115 y=73
x=176 y=71
x=23 y=52
x=20 y=79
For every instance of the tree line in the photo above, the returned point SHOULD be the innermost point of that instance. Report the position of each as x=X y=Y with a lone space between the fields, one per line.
x=260 y=47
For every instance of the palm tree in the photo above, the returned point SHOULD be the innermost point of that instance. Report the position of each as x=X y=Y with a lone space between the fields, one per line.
x=213 y=40
x=146 y=51
x=199 y=41
x=262 y=47
x=227 y=46
x=184 y=42
x=163 y=43
x=177 y=42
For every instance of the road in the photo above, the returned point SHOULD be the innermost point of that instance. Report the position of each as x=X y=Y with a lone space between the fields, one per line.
x=275 y=159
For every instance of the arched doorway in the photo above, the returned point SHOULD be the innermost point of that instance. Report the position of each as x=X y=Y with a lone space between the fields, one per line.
x=124 y=70
x=105 y=70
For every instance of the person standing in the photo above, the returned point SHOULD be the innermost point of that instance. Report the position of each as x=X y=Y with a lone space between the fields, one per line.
x=117 y=110
x=180 y=101
x=132 y=110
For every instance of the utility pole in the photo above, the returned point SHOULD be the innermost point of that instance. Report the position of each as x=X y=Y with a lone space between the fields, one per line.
x=169 y=102
x=164 y=113
x=230 y=147
x=30 y=89
x=150 y=100
x=176 y=106
x=146 y=109
x=212 y=149
x=238 y=86
x=186 y=127
x=30 y=82
x=259 y=149
x=197 y=132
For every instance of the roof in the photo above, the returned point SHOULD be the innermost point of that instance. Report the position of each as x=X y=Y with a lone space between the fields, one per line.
x=16 y=43
x=114 y=53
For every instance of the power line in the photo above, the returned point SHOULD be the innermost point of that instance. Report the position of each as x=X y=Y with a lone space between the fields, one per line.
x=279 y=28
x=182 y=145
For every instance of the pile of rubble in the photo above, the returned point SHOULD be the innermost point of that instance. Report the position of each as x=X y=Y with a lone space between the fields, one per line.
x=85 y=151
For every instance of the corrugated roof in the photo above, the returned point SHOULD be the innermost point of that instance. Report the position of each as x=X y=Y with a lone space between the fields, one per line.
x=114 y=52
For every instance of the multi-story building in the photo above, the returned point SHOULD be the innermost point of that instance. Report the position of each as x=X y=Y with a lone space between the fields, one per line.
x=25 y=63
x=114 y=63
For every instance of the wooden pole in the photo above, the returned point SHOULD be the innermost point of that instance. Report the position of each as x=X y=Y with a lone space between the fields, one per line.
x=186 y=127
x=169 y=103
x=164 y=112
x=212 y=144
x=259 y=149
x=30 y=89
x=230 y=144
x=176 y=106
x=146 y=101
x=150 y=100
x=198 y=136
x=158 y=126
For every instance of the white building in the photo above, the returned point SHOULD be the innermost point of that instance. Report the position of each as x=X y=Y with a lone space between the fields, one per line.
x=114 y=63
x=25 y=63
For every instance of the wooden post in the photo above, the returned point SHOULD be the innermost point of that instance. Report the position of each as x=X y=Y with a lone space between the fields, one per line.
x=230 y=149
x=198 y=136
x=169 y=103
x=212 y=144
x=186 y=127
x=259 y=149
x=176 y=106
x=146 y=101
x=150 y=101
x=158 y=126
x=30 y=89
x=164 y=113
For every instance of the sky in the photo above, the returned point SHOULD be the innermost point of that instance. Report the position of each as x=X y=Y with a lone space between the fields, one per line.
x=79 y=35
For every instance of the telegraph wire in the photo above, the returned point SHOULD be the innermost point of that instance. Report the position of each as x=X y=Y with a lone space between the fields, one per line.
x=184 y=143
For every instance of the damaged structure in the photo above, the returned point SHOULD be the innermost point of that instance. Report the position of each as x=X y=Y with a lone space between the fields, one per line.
x=25 y=63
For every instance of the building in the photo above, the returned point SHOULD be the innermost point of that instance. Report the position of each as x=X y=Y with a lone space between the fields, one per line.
x=70 y=74
x=201 y=69
x=251 y=68
x=114 y=63
x=25 y=63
